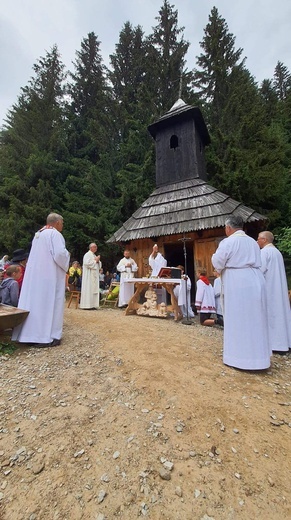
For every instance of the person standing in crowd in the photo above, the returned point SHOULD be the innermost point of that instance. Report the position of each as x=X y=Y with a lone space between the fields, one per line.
x=9 y=288
x=90 y=289
x=238 y=259
x=4 y=261
x=43 y=288
x=205 y=301
x=19 y=257
x=217 y=296
x=107 y=279
x=182 y=293
x=127 y=267
x=278 y=307
x=156 y=261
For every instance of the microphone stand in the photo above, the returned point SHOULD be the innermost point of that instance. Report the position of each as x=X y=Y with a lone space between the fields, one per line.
x=186 y=321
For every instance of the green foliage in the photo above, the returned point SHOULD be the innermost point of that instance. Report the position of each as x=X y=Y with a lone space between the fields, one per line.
x=77 y=142
x=7 y=348
x=284 y=240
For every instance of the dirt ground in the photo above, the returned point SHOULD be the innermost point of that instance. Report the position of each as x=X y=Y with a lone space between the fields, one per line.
x=138 y=417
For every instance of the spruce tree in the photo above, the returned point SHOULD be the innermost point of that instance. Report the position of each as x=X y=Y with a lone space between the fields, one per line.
x=167 y=58
x=89 y=186
x=216 y=64
x=33 y=153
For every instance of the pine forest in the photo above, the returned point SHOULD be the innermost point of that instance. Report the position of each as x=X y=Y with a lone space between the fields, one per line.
x=76 y=141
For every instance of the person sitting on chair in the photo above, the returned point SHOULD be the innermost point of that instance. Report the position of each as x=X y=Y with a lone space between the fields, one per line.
x=75 y=276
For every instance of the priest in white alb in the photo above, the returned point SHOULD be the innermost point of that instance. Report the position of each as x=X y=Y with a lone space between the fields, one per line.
x=156 y=261
x=238 y=259
x=127 y=267
x=90 y=289
x=43 y=287
x=278 y=306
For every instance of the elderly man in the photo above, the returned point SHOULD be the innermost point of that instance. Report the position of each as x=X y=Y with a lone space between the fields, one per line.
x=127 y=267
x=238 y=259
x=90 y=279
x=278 y=307
x=43 y=288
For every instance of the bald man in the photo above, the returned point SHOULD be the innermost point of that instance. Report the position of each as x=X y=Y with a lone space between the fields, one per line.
x=90 y=279
x=278 y=307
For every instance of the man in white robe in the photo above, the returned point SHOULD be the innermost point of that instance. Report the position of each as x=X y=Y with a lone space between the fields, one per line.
x=156 y=262
x=182 y=293
x=278 y=306
x=127 y=267
x=238 y=259
x=43 y=287
x=90 y=289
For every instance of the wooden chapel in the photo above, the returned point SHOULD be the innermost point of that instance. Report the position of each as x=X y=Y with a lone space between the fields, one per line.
x=184 y=215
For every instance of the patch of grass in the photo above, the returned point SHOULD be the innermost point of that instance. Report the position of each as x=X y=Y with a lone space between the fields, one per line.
x=7 y=348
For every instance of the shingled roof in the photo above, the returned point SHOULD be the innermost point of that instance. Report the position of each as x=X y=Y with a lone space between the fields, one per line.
x=182 y=207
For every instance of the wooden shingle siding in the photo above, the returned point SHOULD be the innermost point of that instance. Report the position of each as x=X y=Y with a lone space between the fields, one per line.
x=191 y=205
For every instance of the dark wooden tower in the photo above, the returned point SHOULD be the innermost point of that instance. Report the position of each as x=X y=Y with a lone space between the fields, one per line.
x=181 y=136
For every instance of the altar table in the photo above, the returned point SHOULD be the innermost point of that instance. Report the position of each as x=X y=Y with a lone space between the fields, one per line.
x=142 y=284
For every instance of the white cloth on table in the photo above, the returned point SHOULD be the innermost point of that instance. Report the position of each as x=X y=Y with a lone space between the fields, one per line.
x=43 y=289
x=278 y=306
x=126 y=290
x=90 y=289
x=246 y=344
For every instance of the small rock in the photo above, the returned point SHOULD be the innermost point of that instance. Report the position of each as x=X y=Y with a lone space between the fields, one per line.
x=178 y=491
x=235 y=430
x=116 y=454
x=79 y=453
x=101 y=495
x=237 y=475
x=168 y=465
x=197 y=493
x=164 y=474
x=105 y=478
x=38 y=467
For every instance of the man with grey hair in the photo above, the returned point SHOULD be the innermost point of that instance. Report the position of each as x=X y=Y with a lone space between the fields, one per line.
x=90 y=289
x=43 y=288
x=238 y=260
x=278 y=307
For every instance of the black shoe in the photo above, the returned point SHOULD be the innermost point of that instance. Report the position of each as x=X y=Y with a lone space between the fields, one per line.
x=53 y=343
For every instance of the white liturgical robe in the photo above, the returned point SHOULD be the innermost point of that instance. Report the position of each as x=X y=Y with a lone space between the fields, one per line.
x=90 y=282
x=43 y=289
x=217 y=295
x=157 y=263
x=126 y=290
x=278 y=306
x=246 y=343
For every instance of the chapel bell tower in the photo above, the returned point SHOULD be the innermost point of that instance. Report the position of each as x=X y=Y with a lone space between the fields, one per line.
x=181 y=136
